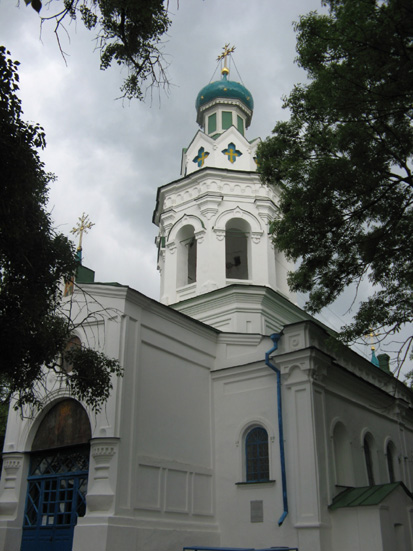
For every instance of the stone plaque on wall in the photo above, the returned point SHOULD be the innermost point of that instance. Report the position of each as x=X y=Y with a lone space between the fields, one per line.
x=257 y=511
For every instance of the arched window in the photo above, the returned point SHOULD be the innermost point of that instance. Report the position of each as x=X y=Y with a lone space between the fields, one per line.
x=257 y=466
x=390 y=458
x=236 y=249
x=368 y=446
x=342 y=456
x=187 y=253
x=71 y=343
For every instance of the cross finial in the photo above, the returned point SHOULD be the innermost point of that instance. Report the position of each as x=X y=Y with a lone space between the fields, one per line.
x=371 y=335
x=83 y=226
x=374 y=359
x=227 y=50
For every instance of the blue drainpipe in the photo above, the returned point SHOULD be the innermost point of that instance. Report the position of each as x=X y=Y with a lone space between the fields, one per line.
x=275 y=337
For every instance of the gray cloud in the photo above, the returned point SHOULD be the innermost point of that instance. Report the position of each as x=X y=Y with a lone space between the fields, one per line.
x=111 y=156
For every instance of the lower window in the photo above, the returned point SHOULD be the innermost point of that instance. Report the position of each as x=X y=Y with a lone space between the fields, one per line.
x=257 y=468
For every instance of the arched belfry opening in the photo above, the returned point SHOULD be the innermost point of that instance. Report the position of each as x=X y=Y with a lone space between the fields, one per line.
x=187 y=256
x=237 y=233
x=57 y=480
x=343 y=462
x=369 y=447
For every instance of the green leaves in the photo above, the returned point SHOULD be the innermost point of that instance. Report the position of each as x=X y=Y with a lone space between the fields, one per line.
x=128 y=33
x=343 y=161
x=34 y=261
x=36 y=4
x=91 y=378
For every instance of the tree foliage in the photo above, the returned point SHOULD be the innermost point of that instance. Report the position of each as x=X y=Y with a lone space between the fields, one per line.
x=128 y=32
x=34 y=259
x=343 y=161
x=91 y=378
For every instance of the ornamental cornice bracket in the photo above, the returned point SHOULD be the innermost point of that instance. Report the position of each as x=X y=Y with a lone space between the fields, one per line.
x=103 y=451
x=266 y=209
x=302 y=370
x=167 y=220
x=220 y=234
x=200 y=236
x=12 y=464
x=256 y=236
x=171 y=246
x=208 y=204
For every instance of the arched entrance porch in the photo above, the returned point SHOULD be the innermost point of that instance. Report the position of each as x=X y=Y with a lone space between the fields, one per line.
x=57 y=480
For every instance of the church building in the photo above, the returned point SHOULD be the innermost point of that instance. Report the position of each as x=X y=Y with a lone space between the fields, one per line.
x=239 y=422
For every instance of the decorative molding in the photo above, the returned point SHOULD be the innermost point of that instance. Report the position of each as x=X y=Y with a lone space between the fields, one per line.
x=168 y=218
x=171 y=247
x=200 y=236
x=12 y=464
x=100 y=493
x=185 y=220
x=256 y=236
x=220 y=234
x=295 y=341
x=266 y=208
x=103 y=451
x=237 y=212
x=208 y=204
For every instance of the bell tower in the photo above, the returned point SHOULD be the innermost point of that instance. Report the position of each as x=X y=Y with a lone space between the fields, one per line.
x=215 y=255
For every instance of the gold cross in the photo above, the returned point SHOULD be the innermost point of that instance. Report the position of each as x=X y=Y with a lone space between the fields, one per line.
x=227 y=49
x=82 y=227
x=203 y=156
x=232 y=153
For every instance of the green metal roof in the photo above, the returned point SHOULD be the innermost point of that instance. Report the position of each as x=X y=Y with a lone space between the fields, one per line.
x=367 y=495
x=224 y=88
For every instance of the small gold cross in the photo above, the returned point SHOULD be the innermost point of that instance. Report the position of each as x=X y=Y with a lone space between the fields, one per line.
x=82 y=227
x=227 y=50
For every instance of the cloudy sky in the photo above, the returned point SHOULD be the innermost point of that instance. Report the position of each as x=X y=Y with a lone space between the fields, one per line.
x=110 y=156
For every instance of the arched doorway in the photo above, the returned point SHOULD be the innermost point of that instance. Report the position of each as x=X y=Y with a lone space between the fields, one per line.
x=57 y=481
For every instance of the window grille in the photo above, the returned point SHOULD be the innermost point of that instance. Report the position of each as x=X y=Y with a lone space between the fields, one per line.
x=257 y=460
x=57 y=486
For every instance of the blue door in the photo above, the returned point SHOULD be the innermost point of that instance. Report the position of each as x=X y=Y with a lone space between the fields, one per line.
x=57 y=486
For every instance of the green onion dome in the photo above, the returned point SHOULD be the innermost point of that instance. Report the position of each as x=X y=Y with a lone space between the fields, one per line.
x=224 y=89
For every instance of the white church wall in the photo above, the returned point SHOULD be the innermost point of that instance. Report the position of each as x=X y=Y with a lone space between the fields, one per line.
x=244 y=397
x=318 y=395
x=363 y=411
x=164 y=472
x=151 y=455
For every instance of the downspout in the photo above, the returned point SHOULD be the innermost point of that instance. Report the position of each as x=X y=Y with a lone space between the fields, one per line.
x=275 y=337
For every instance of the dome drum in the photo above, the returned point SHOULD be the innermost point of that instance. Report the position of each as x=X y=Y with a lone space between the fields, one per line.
x=208 y=108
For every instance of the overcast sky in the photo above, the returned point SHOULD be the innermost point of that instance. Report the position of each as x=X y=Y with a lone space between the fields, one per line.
x=110 y=156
